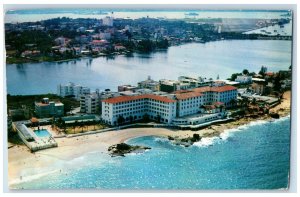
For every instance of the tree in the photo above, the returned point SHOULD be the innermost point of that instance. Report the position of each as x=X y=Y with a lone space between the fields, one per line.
x=234 y=76
x=64 y=127
x=131 y=119
x=232 y=102
x=120 y=120
x=254 y=101
x=146 y=117
x=245 y=72
x=158 y=118
x=263 y=70
x=81 y=125
x=75 y=124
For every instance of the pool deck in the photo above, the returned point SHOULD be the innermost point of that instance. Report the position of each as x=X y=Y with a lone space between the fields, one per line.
x=31 y=140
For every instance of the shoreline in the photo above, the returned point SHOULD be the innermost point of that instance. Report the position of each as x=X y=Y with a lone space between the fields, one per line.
x=22 y=163
x=264 y=37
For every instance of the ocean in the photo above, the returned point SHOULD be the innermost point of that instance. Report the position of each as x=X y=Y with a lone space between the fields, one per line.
x=253 y=156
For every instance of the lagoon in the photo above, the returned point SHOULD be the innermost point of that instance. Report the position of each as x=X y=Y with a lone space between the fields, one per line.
x=194 y=59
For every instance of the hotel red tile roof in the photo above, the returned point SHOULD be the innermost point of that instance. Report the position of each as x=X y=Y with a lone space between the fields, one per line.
x=120 y=99
x=187 y=95
x=215 y=89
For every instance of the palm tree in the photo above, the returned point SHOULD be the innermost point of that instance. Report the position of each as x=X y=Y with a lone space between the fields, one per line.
x=158 y=117
x=81 y=125
x=233 y=102
x=120 y=120
x=254 y=101
x=75 y=125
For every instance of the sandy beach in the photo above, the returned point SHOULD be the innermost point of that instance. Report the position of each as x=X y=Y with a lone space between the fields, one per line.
x=22 y=163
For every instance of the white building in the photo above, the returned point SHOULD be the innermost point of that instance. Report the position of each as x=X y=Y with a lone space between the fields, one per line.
x=225 y=94
x=130 y=108
x=108 y=21
x=89 y=103
x=188 y=103
x=72 y=89
x=244 y=79
x=167 y=106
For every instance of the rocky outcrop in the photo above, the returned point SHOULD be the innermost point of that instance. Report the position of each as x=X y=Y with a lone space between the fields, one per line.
x=274 y=115
x=186 y=142
x=123 y=148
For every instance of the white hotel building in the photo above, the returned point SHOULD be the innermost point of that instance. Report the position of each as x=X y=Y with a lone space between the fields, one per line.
x=135 y=107
x=180 y=104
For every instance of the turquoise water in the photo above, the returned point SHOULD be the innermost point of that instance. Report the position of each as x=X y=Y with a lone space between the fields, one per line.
x=255 y=156
x=42 y=133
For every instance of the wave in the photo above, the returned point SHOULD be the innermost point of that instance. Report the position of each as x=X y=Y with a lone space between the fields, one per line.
x=207 y=141
x=161 y=139
x=228 y=133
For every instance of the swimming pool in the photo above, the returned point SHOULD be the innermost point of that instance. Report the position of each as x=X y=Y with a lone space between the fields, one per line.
x=42 y=133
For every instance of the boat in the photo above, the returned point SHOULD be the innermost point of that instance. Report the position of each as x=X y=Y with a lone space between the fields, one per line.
x=191 y=14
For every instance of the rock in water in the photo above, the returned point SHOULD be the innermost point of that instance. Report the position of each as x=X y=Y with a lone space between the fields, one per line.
x=123 y=148
x=274 y=115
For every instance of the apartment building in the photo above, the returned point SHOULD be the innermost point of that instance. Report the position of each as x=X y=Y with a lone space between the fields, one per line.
x=72 y=89
x=89 y=103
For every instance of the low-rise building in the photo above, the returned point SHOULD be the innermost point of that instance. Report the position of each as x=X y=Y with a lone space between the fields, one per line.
x=46 y=108
x=122 y=88
x=244 y=79
x=149 y=84
x=169 y=86
x=258 y=86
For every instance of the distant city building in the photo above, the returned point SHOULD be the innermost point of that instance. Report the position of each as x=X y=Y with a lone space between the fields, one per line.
x=108 y=21
x=105 y=36
x=194 y=82
x=46 y=108
x=243 y=79
x=149 y=84
x=169 y=86
x=258 y=86
x=122 y=88
x=72 y=89
x=60 y=41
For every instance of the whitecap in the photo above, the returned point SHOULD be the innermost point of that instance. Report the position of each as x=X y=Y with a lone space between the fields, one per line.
x=207 y=141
